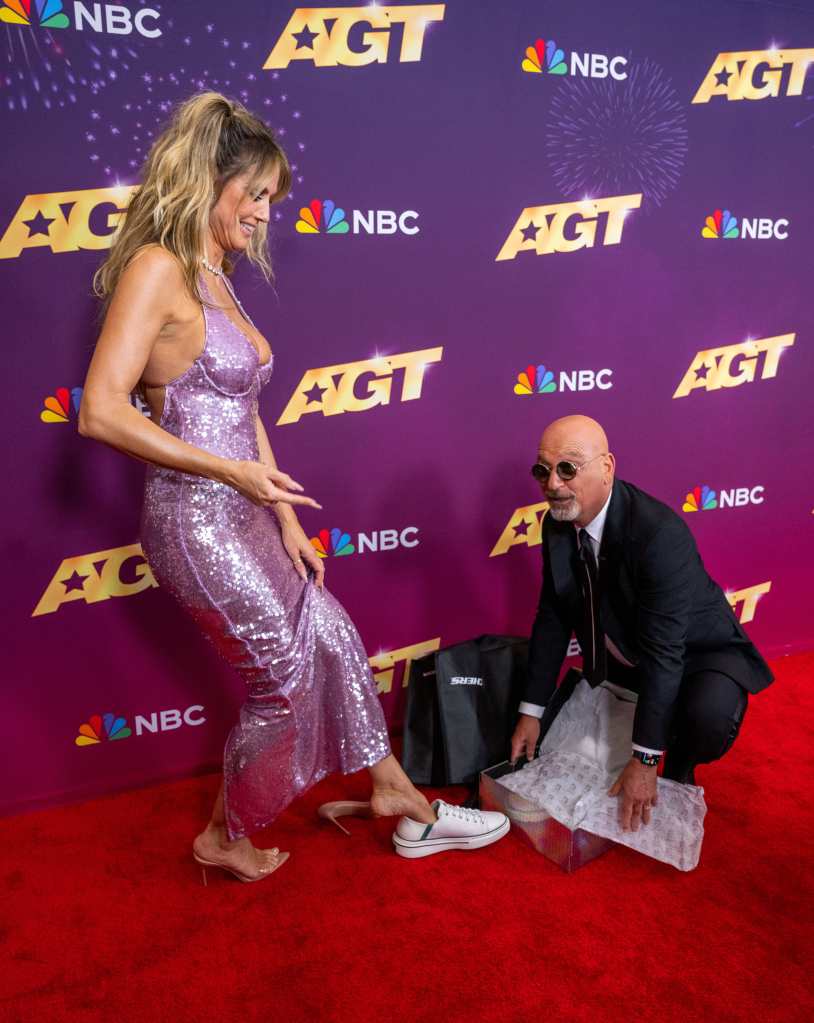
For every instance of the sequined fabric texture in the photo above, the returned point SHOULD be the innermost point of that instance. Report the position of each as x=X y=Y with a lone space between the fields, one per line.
x=312 y=707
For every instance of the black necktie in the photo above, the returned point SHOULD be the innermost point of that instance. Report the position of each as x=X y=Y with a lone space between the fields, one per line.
x=594 y=663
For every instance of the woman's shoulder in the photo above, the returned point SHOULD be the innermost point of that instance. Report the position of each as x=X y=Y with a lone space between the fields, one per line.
x=154 y=259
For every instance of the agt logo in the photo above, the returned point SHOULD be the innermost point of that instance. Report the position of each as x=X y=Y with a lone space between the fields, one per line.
x=539 y=380
x=755 y=74
x=337 y=542
x=66 y=221
x=568 y=226
x=119 y=572
x=713 y=368
x=326 y=217
x=352 y=36
x=548 y=57
x=332 y=390
x=393 y=664
x=722 y=224
x=524 y=527
x=63 y=405
x=110 y=19
x=748 y=598
x=107 y=727
x=704 y=498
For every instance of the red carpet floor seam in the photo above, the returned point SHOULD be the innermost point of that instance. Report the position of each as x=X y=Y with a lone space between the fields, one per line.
x=103 y=916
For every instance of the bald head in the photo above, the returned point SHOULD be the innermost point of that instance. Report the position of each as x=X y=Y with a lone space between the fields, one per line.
x=580 y=441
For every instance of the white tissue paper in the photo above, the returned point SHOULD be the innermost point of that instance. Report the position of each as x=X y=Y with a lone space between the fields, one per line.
x=581 y=757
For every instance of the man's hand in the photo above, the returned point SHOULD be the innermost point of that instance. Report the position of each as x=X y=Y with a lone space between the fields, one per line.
x=526 y=734
x=637 y=784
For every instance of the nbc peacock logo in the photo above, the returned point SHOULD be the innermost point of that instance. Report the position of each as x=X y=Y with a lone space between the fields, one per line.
x=59 y=406
x=334 y=542
x=46 y=13
x=545 y=56
x=102 y=728
x=535 y=380
x=701 y=498
x=720 y=224
x=322 y=216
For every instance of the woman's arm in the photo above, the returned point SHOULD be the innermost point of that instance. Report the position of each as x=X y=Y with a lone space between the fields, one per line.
x=142 y=304
x=296 y=543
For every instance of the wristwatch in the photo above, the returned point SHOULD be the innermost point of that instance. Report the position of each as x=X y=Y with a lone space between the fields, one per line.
x=647 y=759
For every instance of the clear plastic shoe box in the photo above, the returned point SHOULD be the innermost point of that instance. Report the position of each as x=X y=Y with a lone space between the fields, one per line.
x=570 y=850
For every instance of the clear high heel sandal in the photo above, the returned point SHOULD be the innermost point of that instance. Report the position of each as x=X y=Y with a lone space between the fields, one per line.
x=281 y=858
x=344 y=808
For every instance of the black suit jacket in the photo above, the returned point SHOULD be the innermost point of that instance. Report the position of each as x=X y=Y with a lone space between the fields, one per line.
x=657 y=604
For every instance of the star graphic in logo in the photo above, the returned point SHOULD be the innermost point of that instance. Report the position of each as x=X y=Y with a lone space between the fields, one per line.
x=305 y=38
x=74 y=582
x=521 y=529
x=529 y=233
x=701 y=372
x=39 y=224
x=722 y=78
x=315 y=394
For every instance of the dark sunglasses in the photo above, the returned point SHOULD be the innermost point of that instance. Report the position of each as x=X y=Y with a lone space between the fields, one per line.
x=565 y=470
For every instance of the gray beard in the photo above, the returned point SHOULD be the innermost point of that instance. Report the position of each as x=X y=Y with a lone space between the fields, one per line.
x=565 y=513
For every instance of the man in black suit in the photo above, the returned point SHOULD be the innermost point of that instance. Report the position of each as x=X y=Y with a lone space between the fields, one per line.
x=622 y=571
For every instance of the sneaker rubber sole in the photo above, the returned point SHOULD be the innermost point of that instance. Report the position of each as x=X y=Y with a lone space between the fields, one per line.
x=429 y=846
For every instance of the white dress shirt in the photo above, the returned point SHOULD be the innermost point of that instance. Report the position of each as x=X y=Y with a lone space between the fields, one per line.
x=594 y=529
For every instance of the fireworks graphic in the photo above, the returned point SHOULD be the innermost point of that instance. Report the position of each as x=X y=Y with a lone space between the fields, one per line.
x=40 y=72
x=605 y=137
x=202 y=58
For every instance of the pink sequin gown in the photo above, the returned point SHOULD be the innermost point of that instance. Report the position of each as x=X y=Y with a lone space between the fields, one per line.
x=312 y=707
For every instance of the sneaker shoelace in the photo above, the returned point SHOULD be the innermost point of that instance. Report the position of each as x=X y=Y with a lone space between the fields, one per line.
x=464 y=813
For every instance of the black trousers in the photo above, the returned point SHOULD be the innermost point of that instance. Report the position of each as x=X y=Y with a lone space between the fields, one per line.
x=706 y=721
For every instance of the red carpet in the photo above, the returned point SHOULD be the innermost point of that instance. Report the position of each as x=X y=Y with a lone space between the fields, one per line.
x=104 y=917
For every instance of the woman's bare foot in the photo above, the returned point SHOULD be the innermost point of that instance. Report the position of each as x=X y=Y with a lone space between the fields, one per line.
x=213 y=845
x=401 y=802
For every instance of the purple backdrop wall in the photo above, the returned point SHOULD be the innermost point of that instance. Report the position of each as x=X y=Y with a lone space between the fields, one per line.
x=444 y=151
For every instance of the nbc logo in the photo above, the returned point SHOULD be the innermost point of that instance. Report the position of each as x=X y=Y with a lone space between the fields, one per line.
x=722 y=224
x=324 y=216
x=755 y=74
x=542 y=229
x=337 y=543
x=546 y=56
x=93 y=732
x=111 y=19
x=323 y=35
x=539 y=380
x=57 y=407
x=704 y=498
x=712 y=369
x=107 y=727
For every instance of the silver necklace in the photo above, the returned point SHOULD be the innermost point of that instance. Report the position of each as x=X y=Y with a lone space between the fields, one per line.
x=216 y=270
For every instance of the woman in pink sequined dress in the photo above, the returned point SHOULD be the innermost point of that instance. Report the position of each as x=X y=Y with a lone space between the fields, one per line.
x=219 y=526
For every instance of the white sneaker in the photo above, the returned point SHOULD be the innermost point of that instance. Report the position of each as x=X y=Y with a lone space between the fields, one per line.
x=457 y=827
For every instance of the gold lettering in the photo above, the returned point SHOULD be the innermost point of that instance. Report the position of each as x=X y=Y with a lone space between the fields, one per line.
x=337 y=385
x=384 y=664
x=95 y=577
x=750 y=596
x=332 y=49
x=737 y=69
x=531 y=516
x=550 y=222
x=53 y=229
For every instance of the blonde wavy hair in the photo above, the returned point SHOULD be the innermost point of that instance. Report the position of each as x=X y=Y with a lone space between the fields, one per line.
x=210 y=139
